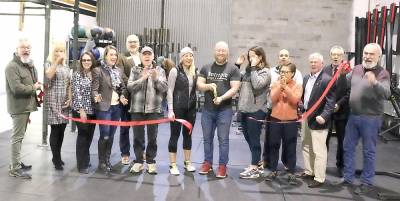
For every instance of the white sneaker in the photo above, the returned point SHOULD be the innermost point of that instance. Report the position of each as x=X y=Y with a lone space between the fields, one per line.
x=246 y=171
x=136 y=168
x=173 y=169
x=125 y=160
x=189 y=167
x=151 y=168
x=246 y=168
x=250 y=174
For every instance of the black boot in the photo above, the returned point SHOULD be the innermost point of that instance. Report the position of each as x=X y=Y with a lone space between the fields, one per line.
x=108 y=153
x=102 y=146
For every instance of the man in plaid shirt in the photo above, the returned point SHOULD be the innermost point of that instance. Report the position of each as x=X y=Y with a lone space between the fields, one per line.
x=147 y=85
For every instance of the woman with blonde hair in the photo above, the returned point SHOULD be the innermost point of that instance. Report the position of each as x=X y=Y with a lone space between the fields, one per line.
x=57 y=99
x=181 y=98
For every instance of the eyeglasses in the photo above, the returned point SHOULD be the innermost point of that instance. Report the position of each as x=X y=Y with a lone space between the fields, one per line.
x=86 y=60
x=25 y=47
x=285 y=72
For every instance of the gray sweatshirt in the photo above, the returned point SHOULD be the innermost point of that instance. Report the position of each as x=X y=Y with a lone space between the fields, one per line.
x=365 y=98
x=254 y=90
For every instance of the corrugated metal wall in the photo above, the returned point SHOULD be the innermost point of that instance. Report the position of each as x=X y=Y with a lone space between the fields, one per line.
x=201 y=23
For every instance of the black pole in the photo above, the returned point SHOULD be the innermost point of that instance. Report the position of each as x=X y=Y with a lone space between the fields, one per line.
x=75 y=48
x=162 y=13
x=47 y=12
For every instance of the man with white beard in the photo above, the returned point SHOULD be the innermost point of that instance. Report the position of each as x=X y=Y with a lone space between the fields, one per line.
x=370 y=87
x=21 y=86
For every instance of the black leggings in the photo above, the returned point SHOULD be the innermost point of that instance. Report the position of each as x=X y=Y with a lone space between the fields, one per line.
x=56 y=140
x=190 y=116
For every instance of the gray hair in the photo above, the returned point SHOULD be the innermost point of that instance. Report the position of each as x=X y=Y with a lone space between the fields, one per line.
x=21 y=40
x=377 y=46
x=222 y=44
x=337 y=47
x=316 y=55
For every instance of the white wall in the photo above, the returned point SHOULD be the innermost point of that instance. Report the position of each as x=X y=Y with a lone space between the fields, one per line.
x=34 y=27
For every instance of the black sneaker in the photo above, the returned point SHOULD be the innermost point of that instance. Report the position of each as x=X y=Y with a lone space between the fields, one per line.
x=363 y=189
x=271 y=176
x=340 y=172
x=292 y=179
x=59 y=167
x=84 y=171
x=20 y=174
x=345 y=184
x=25 y=167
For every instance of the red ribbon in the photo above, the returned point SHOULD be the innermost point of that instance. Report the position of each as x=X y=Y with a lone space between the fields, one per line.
x=344 y=65
x=187 y=124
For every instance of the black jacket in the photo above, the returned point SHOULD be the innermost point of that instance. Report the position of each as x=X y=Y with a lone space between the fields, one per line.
x=325 y=109
x=341 y=95
x=181 y=97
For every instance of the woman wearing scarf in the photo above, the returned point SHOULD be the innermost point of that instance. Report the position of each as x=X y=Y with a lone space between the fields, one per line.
x=108 y=91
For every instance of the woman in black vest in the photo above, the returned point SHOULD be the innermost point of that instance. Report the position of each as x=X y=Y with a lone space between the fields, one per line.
x=182 y=104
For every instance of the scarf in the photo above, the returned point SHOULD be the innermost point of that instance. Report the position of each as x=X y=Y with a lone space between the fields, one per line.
x=114 y=74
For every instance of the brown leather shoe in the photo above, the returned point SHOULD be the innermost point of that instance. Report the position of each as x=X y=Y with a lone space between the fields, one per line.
x=315 y=184
x=305 y=176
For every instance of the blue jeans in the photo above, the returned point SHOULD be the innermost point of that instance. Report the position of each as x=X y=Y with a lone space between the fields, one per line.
x=124 y=142
x=252 y=132
x=366 y=128
x=220 y=120
x=114 y=114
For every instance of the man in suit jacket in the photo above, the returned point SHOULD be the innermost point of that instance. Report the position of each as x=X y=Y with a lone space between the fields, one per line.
x=126 y=61
x=341 y=109
x=315 y=128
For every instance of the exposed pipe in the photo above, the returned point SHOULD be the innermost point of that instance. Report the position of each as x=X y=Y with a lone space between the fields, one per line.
x=162 y=13
x=47 y=12
x=21 y=14
x=75 y=48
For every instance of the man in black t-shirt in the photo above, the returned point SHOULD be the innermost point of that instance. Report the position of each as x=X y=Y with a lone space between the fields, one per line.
x=219 y=81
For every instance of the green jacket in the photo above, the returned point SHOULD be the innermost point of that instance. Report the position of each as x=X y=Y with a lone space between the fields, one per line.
x=21 y=95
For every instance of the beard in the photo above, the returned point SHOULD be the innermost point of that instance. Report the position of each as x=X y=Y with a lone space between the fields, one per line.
x=369 y=65
x=26 y=60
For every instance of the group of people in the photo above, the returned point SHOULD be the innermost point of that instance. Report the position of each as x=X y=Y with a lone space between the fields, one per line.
x=131 y=87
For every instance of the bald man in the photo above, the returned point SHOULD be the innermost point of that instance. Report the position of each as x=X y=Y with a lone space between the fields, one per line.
x=284 y=59
x=219 y=81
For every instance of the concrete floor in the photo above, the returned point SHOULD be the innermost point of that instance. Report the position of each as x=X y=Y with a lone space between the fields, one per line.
x=51 y=185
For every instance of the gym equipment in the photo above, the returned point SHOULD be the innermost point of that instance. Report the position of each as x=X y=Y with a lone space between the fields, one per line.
x=96 y=53
x=108 y=34
x=81 y=31
x=70 y=56
x=96 y=32
x=101 y=51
